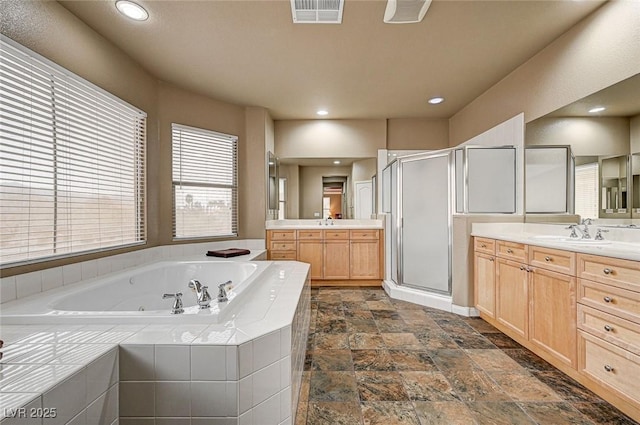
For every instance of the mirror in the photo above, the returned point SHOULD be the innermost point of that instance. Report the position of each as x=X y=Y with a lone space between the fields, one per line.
x=635 y=185
x=613 y=185
x=272 y=182
x=606 y=146
x=316 y=188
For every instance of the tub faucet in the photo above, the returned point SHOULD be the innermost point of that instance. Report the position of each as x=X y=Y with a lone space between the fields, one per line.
x=177 y=304
x=222 y=291
x=204 y=299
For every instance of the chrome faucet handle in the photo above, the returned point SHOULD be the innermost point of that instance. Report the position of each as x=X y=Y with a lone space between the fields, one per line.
x=222 y=291
x=204 y=299
x=587 y=221
x=585 y=233
x=573 y=234
x=177 y=304
x=599 y=233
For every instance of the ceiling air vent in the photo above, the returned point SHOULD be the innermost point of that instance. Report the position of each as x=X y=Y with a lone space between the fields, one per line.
x=405 y=11
x=317 y=11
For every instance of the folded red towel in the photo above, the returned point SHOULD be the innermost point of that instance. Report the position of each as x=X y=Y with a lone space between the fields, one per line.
x=226 y=253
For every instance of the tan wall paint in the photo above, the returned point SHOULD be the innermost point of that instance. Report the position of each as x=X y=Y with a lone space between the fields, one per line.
x=417 y=133
x=182 y=107
x=311 y=187
x=601 y=50
x=329 y=138
x=292 y=205
x=253 y=196
x=587 y=136
x=363 y=170
x=50 y=30
x=635 y=134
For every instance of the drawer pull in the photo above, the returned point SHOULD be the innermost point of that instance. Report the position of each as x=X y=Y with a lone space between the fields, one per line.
x=548 y=259
x=483 y=245
x=607 y=271
x=491 y=259
x=521 y=267
x=608 y=299
x=608 y=328
x=608 y=368
x=509 y=251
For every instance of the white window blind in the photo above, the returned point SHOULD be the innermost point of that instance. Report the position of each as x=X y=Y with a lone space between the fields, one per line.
x=205 y=183
x=72 y=162
x=586 y=189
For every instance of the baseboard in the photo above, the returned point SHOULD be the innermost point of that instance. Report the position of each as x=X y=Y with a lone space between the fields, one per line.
x=416 y=296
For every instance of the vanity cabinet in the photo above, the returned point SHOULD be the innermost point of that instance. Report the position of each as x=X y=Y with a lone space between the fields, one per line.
x=337 y=256
x=580 y=312
x=609 y=323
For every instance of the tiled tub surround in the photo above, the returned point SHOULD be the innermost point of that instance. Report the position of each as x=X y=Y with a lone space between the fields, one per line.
x=24 y=285
x=238 y=372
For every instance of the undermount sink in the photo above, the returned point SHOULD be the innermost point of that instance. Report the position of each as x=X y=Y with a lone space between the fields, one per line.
x=570 y=241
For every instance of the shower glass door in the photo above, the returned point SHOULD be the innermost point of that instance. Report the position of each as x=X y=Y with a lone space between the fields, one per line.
x=425 y=222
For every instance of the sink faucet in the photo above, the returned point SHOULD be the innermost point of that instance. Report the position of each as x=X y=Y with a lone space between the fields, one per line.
x=177 y=304
x=204 y=299
x=222 y=291
x=328 y=221
x=583 y=232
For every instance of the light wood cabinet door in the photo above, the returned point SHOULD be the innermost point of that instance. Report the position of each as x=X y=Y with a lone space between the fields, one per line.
x=336 y=259
x=364 y=260
x=552 y=314
x=312 y=252
x=485 y=283
x=512 y=296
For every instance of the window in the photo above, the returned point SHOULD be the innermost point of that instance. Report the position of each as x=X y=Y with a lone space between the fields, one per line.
x=586 y=190
x=282 y=198
x=72 y=162
x=205 y=183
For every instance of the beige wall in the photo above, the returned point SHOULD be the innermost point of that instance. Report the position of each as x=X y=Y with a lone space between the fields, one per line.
x=417 y=133
x=599 y=51
x=363 y=169
x=329 y=138
x=635 y=134
x=182 y=107
x=253 y=172
x=50 y=30
x=311 y=188
x=606 y=136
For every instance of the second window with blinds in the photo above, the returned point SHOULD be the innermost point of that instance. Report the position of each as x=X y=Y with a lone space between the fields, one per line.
x=205 y=183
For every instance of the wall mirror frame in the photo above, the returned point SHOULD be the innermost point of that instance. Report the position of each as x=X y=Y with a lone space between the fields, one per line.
x=309 y=182
x=602 y=141
x=272 y=182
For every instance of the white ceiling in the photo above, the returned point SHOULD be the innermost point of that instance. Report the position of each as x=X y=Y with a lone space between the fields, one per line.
x=250 y=53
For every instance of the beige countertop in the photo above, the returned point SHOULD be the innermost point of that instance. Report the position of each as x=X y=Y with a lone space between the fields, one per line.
x=619 y=242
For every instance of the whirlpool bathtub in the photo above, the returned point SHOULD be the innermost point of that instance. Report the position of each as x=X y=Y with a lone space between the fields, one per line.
x=136 y=294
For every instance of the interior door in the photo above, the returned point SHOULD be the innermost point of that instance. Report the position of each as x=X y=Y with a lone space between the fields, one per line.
x=363 y=199
x=425 y=217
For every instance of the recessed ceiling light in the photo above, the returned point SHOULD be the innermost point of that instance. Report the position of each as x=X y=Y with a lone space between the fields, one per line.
x=322 y=112
x=132 y=10
x=436 y=100
x=336 y=162
x=597 y=109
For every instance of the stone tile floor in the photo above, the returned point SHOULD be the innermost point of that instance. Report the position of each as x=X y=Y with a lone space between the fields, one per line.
x=374 y=360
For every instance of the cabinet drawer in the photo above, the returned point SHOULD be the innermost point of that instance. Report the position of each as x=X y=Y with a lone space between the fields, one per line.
x=553 y=259
x=363 y=234
x=282 y=255
x=609 y=365
x=620 y=332
x=616 y=301
x=511 y=250
x=487 y=246
x=336 y=234
x=309 y=234
x=621 y=273
x=283 y=246
x=283 y=235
